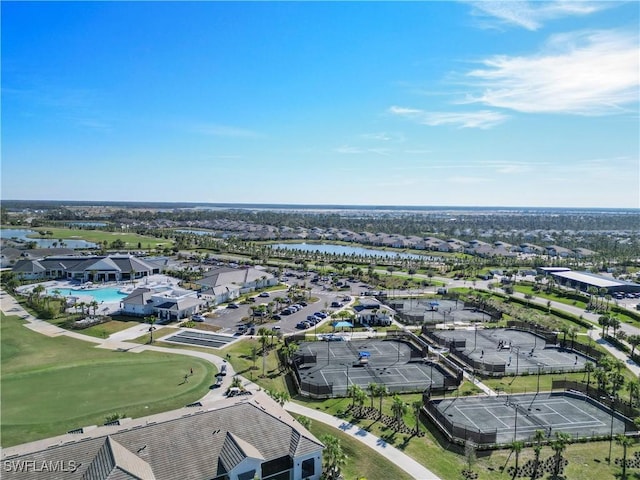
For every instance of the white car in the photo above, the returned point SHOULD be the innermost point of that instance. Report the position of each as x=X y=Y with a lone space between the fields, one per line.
x=197 y=318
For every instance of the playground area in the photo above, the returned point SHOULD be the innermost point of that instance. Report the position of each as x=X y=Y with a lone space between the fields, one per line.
x=327 y=369
x=505 y=418
x=509 y=351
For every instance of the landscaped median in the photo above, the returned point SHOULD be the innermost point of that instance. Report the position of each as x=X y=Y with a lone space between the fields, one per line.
x=53 y=385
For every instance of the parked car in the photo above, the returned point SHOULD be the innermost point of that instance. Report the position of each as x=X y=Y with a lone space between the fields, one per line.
x=233 y=305
x=335 y=305
x=218 y=382
x=197 y=318
x=302 y=325
x=264 y=294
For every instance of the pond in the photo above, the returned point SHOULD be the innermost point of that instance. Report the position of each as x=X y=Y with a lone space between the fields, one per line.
x=21 y=235
x=334 y=249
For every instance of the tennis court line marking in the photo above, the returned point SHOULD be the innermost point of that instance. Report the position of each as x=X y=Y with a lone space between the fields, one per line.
x=470 y=421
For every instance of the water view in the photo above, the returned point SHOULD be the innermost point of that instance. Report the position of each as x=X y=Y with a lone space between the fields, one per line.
x=22 y=235
x=334 y=249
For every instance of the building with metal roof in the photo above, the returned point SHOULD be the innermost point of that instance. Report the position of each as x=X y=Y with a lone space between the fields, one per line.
x=585 y=280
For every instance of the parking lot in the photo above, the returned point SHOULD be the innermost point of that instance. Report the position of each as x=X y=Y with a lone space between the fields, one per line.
x=231 y=320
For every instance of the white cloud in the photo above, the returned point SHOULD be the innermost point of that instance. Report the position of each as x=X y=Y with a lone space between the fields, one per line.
x=532 y=15
x=588 y=73
x=480 y=119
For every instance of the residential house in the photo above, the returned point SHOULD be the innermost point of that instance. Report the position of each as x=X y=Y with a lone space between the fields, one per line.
x=239 y=438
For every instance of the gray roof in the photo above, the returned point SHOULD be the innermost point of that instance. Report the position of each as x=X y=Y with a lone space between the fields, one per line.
x=121 y=263
x=185 y=444
x=592 y=279
x=114 y=461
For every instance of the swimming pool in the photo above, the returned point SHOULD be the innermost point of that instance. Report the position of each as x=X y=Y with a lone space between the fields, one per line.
x=107 y=294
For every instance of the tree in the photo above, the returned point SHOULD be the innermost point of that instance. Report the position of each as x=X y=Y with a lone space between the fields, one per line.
x=305 y=422
x=614 y=323
x=588 y=368
x=538 y=436
x=624 y=442
x=333 y=456
x=382 y=391
x=373 y=391
x=634 y=341
x=516 y=448
x=416 y=406
x=399 y=408
x=254 y=357
x=559 y=445
x=634 y=390
x=280 y=397
x=603 y=321
x=151 y=320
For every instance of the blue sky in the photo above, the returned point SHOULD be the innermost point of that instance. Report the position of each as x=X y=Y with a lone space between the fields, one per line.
x=506 y=103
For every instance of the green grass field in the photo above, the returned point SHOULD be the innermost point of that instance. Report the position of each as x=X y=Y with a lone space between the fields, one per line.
x=52 y=385
x=99 y=236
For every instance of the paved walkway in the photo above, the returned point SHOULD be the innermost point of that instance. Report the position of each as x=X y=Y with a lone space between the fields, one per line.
x=118 y=342
x=403 y=461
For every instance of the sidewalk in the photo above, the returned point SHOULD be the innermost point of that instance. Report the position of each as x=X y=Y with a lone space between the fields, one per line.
x=403 y=461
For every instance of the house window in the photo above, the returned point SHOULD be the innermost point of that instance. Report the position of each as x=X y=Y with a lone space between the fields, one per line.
x=308 y=467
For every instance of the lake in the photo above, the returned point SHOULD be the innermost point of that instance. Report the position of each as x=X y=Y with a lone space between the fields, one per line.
x=21 y=235
x=334 y=249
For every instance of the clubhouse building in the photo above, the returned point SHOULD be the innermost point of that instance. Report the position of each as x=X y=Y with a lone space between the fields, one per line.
x=109 y=268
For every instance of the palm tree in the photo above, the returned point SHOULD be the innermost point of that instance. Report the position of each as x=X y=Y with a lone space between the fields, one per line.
x=254 y=356
x=559 y=445
x=634 y=390
x=151 y=320
x=373 y=391
x=278 y=396
x=416 y=406
x=538 y=436
x=603 y=321
x=624 y=442
x=516 y=448
x=94 y=305
x=634 y=341
x=588 y=368
x=37 y=290
x=382 y=391
x=399 y=408
x=333 y=456
x=615 y=324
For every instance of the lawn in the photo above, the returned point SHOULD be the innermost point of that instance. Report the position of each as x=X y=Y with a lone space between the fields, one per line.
x=52 y=385
x=99 y=236
x=431 y=450
x=362 y=462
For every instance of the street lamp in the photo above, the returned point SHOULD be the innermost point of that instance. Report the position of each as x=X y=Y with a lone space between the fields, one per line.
x=515 y=424
x=475 y=335
x=612 y=406
x=538 y=387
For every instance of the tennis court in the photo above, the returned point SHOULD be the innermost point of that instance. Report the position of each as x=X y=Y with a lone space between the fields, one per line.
x=513 y=417
x=331 y=367
x=515 y=351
